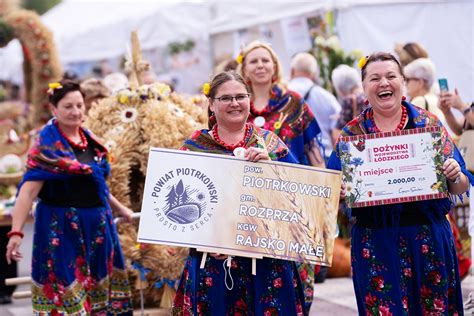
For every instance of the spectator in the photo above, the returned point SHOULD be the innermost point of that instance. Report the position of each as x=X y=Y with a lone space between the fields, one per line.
x=409 y=52
x=326 y=109
x=94 y=90
x=348 y=85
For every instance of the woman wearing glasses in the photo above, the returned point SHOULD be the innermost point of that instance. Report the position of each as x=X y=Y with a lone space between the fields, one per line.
x=284 y=112
x=276 y=289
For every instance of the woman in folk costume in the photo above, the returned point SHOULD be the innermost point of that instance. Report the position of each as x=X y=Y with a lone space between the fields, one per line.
x=276 y=289
x=77 y=265
x=284 y=112
x=403 y=255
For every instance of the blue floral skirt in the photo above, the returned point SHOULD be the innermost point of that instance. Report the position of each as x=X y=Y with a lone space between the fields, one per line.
x=409 y=270
x=78 y=266
x=275 y=290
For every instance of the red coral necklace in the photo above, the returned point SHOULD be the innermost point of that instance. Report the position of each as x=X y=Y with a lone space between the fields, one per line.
x=81 y=146
x=400 y=125
x=231 y=147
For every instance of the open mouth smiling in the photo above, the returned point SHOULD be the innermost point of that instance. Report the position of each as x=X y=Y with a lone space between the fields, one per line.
x=385 y=94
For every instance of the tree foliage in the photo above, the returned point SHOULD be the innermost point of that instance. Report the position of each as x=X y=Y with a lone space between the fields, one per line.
x=40 y=6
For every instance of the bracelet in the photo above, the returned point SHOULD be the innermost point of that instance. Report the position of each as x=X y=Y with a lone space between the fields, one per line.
x=15 y=232
x=468 y=109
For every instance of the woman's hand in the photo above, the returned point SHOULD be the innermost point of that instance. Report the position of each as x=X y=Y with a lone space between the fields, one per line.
x=120 y=209
x=126 y=213
x=255 y=154
x=452 y=170
x=13 y=249
x=448 y=100
x=218 y=256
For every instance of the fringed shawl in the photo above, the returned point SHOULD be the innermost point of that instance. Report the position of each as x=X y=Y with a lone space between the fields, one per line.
x=52 y=158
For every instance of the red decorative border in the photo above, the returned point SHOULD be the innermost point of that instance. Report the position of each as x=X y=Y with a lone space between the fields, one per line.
x=423 y=197
x=411 y=131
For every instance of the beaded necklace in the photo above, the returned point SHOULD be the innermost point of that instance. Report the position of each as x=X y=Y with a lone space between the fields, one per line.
x=231 y=147
x=256 y=112
x=400 y=125
x=81 y=146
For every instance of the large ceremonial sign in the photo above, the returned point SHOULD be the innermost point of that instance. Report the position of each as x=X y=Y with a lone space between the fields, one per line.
x=393 y=167
x=230 y=206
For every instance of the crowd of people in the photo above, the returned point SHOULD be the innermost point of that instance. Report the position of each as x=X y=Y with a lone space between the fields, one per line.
x=404 y=256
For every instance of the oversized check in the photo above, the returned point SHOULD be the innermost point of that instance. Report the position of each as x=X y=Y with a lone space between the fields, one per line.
x=393 y=167
x=231 y=206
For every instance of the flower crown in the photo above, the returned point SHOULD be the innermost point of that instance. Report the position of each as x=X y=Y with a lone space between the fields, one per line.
x=206 y=88
x=144 y=93
x=53 y=86
x=363 y=61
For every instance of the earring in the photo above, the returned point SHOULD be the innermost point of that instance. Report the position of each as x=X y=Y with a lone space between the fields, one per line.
x=366 y=102
x=404 y=98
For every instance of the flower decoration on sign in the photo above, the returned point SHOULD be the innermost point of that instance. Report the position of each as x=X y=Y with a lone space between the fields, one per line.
x=354 y=190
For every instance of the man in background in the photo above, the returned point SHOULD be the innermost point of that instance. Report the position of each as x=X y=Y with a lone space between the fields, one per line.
x=326 y=109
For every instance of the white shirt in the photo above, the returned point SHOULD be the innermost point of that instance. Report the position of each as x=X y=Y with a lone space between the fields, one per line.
x=324 y=106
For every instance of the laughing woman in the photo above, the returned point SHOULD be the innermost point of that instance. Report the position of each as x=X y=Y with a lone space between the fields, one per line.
x=403 y=255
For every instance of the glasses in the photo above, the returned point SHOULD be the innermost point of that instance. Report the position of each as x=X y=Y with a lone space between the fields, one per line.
x=227 y=99
x=408 y=79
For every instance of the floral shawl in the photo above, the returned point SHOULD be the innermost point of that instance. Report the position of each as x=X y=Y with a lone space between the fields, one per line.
x=420 y=119
x=52 y=158
x=202 y=141
x=299 y=128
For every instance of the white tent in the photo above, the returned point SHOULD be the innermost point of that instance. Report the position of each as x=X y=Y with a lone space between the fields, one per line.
x=93 y=30
x=444 y=27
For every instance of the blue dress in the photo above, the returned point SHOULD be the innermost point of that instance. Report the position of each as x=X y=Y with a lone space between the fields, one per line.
x=275 y=290
x=288 y=116
x=77 y=263
x=403 y=255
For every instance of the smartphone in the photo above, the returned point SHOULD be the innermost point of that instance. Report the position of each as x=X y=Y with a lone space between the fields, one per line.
x=443 y=85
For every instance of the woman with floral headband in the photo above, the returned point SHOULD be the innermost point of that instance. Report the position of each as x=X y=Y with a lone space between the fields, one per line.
x=276 y=288
x=403 y=255
x=77 y=265
x=284 y=112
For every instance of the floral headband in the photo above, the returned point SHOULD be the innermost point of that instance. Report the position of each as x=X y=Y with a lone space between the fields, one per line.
x=53 y=86
x=206 y=88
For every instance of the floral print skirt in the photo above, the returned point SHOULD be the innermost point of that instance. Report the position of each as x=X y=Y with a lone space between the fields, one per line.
x=306 y=271
x=409 y=270
x=275 y=290
x=78 y=266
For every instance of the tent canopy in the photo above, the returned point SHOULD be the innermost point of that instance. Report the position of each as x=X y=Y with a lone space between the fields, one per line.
x=87 y=30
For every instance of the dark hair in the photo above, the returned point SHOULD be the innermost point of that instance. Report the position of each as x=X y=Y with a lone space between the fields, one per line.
x=381 y=56
x=216 y=82
x=66 y=86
